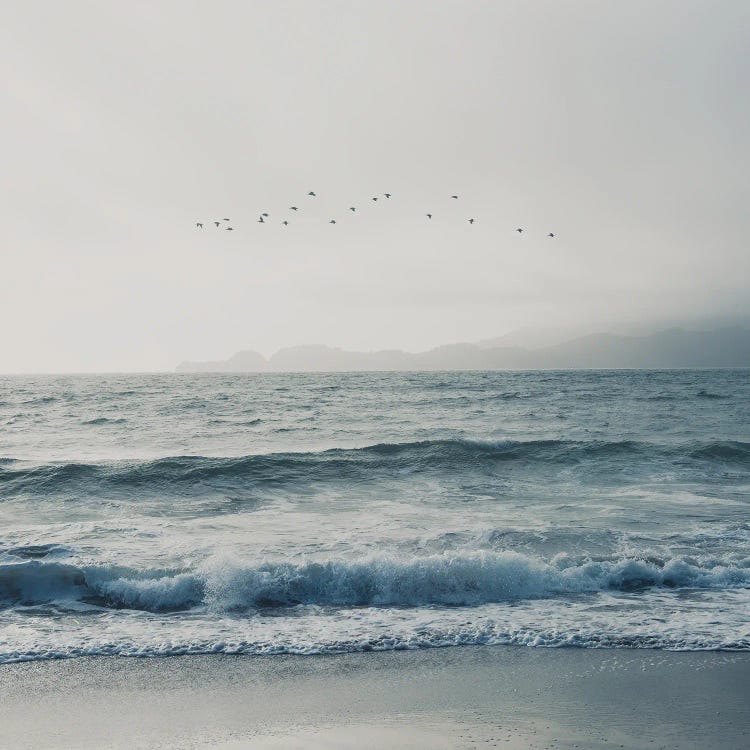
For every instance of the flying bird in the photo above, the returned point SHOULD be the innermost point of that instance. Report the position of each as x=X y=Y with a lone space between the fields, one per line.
x=227 y=219
x=429 y=216
x=519 y=230
x=285 y=222
x=375 y=198
x=217 y=223
x=311 y=193
x=230 y=229
x=261 y=220
x=551 y=234
x=387 y=195
x=332 y=221
x=264 y=214
x=351 y=208
x=471 y=221
x=293 y=208
x=199 y=225
x=454 y=196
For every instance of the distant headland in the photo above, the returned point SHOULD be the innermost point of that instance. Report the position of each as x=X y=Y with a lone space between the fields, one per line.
x=671 y=348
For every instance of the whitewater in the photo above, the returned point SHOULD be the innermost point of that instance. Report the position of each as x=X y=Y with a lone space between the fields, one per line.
x=151 y=515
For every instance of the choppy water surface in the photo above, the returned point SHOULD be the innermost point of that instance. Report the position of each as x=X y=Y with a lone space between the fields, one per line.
x=160 y=514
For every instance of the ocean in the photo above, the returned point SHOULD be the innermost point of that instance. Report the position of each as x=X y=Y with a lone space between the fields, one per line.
x=160 y=514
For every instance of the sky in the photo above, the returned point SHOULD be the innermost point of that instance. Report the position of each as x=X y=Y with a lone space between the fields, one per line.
x=622 y=127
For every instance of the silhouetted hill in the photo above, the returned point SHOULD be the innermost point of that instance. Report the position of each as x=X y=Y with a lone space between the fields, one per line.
x=674 y=348
x=244 y=361
x=726 y=347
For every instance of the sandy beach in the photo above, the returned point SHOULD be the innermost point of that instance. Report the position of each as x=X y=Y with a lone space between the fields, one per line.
x=442 y=698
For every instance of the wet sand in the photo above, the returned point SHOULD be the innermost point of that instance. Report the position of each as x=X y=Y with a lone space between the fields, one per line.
x=505 y=697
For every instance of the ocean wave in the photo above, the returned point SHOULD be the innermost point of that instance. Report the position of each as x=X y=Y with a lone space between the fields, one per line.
x=235 y=423
x=39 y=400
x=473 y=579
x=35 y=551
x=733 y=451
x=368 y=463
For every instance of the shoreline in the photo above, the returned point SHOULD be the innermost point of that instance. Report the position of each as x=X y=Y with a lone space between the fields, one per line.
x=491 y=696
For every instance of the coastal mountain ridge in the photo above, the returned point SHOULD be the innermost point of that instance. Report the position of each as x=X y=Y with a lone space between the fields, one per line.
x=671 y=348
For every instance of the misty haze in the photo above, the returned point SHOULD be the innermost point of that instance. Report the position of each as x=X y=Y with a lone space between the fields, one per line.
x=622 y=128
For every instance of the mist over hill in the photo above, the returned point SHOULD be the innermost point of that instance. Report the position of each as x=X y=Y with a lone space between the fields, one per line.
x=672 y=348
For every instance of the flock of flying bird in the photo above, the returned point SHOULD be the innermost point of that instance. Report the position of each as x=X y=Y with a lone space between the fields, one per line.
x=263 y=216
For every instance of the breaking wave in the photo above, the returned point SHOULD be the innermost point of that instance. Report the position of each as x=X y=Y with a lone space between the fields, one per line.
x=227 y=585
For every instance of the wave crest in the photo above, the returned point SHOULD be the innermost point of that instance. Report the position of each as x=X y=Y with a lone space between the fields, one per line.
x=472 y=579
x=354 y=464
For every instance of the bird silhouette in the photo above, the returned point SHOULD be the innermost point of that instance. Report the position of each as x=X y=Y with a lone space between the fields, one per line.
x=199 y=225
x=293 y=208
x=519 y=230
x=332 y=221
x=285 y=222
x=471 y=221
x=454 y=196
x=264 y=214
x=351 y=208
x=311 y=193
x=551 y=234
x=429 y=216
x=227 y=219
x=261 y=220
x=217 y=223
x=375 y=198
x=230 y=229
x=387 y=195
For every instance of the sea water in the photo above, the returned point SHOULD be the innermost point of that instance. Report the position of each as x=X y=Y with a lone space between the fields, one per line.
x=319 y=513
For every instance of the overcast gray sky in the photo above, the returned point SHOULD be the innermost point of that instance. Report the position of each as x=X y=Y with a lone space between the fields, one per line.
x=621 y=126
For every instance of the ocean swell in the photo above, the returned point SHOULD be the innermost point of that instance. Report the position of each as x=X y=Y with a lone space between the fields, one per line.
x=382 y=460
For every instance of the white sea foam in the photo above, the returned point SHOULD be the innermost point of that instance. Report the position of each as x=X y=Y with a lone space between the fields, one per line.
x=602 y=620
